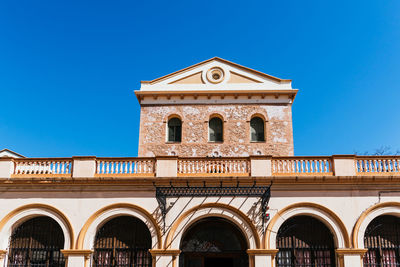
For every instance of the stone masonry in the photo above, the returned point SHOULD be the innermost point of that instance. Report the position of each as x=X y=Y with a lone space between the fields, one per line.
x=236 y=117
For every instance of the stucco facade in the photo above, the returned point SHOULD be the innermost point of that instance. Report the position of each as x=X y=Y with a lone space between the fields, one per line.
x=82 y=195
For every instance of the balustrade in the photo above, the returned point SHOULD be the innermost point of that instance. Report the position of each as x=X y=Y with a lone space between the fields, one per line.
x=214 y=166
x=51 y=167
x=377 y=164
x=284 y=166
x=124 y=166
x=302 y=166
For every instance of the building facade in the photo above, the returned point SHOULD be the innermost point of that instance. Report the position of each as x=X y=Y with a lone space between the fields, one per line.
x=215 y=184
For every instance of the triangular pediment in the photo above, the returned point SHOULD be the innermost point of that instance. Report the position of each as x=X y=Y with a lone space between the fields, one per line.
x=216 y=74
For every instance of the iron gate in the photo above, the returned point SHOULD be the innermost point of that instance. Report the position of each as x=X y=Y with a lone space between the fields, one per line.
x=382 y=238
x=37 y=243
x=122 y=242
x=305 y=242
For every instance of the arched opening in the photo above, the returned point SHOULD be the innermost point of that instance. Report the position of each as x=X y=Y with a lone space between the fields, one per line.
x=174 y=130
x=215 y=130
x=37 y=242
x=304 y=241
x=382 y=239
x=257 y=130
x=213 y=242
x=122 y=242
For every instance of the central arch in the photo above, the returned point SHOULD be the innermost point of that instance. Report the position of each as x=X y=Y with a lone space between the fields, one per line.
x=212 y=242
x=221 y=210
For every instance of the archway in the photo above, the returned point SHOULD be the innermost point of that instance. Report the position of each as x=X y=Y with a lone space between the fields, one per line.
x=382 y=239
x=123 y=241
x=304 y=241
x=213 y=242
x=37 y=242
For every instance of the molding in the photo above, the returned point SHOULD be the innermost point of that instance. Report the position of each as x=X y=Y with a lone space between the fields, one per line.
x=356 y=229
x=45 y=207
x=210 y=60
x=351 y=251
x=3 y=253
x=269 y=252
x=165 y=252
x=318 y=207
x=170 y=235
x=76 y=252
x=84 y=157
x=88 y=223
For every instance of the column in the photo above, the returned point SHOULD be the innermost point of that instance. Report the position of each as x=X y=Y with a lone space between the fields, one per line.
x=262 y=257
x=261 y=166
x=6 y=167
x=3 y=254
x=351 y=257
x=84 y=167
x=165 y=257
x=77 y=258
x=344 y=165
x=166 y=166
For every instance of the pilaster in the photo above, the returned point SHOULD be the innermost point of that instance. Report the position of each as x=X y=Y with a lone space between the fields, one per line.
x=351 y=257
x=77 y=258
x=165 y=257
x=262 y=257
x=3 y=254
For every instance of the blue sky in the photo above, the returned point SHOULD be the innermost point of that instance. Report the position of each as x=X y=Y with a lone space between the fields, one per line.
x=68 y=68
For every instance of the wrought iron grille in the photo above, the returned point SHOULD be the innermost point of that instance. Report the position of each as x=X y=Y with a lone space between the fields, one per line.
x=122 y=242
x=305 y=242
x=37 y=243
x=382 y=238
x=263 y=192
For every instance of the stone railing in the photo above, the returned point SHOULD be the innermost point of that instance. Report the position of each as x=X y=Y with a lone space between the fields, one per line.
x=373 y=165
x=43 y=167
x=125 y=166
x=213 y=166
x=302 y=166
x=254 y=166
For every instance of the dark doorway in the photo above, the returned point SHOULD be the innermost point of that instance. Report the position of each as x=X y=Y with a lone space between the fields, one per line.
x=218 y=262
x=213 y=242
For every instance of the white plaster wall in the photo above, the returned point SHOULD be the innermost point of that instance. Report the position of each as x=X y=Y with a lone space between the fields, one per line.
x=79 y=206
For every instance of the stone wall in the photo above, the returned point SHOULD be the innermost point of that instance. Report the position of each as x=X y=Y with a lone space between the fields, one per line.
x=153 y=127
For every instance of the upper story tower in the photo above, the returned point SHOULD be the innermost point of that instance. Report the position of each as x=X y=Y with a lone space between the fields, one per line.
x=216 y=108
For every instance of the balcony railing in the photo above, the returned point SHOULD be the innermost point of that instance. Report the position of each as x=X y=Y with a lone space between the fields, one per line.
x=86 y=167
x=302 y=166
x=213 y=167
x=125 y=166
x=43 y=167
x=373 y=165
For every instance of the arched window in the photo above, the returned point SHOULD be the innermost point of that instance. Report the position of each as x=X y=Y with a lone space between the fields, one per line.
x=304 y=241
x=257 y=129
x=122 y=242
x=174 y=130
x=213 y=242
x=382 y=239
x=215 y=130
x=37 y=242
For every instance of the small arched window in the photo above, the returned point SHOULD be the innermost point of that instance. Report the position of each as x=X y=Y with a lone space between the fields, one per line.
x=174 y=130
x=215 y=130
x=257 y=129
